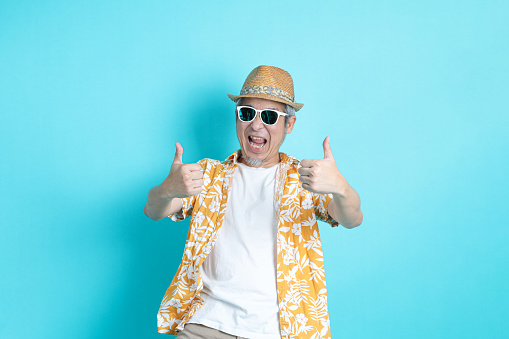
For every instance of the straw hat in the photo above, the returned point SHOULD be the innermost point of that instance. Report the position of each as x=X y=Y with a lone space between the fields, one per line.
x=271 y=83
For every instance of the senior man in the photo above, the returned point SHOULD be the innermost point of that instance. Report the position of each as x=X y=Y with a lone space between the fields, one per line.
x=252 y=264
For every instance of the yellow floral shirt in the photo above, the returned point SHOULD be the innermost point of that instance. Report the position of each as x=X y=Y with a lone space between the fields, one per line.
x=302 y=295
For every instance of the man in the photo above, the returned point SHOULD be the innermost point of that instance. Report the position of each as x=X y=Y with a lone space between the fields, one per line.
x=253 y=264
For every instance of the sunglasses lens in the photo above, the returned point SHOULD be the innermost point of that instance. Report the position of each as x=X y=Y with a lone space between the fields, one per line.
x=269 y=117
x=246 y=114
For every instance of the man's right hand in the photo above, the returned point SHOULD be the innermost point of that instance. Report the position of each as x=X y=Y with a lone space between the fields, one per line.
x=184 y=180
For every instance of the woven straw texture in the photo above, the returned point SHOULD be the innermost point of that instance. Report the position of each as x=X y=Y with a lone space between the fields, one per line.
x=271 y=83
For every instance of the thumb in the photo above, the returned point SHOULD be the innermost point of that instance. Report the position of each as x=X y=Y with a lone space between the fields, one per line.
x=178 y=153
x=327 y=152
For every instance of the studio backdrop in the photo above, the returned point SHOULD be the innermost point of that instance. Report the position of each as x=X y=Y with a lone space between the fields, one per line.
x=94 y=95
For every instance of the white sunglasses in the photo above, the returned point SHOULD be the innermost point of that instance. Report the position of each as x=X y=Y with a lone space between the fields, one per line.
x=268 y=116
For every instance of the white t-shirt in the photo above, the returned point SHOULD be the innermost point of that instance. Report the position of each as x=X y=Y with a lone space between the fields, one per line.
x=239 y=274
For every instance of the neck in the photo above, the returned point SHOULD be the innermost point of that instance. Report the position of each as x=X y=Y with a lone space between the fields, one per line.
x=256 y=162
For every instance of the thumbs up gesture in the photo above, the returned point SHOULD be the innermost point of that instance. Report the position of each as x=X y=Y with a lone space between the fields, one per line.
x=184 y=180
x=322 y=175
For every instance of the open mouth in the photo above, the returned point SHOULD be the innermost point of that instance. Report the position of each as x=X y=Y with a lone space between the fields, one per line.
x=257 y=142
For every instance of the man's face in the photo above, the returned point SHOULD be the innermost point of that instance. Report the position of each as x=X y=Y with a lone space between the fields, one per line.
x=261 y=142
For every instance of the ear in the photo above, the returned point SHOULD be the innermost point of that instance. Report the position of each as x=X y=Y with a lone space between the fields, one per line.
x=291 y=122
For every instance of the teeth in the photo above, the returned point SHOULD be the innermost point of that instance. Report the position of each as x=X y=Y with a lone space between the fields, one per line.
x=256 y=145
x=260 y=142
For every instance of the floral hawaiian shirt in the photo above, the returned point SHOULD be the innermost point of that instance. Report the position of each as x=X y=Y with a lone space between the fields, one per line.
x=302 y=296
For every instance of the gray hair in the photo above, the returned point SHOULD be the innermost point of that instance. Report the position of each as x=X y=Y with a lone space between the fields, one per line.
x=291 y=113
x=288 y=110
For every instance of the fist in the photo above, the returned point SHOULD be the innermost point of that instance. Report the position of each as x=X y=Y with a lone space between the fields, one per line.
x=184 y=180
x=322 y=175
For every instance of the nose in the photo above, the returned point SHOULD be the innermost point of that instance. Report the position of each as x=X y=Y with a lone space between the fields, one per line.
x=257 y=123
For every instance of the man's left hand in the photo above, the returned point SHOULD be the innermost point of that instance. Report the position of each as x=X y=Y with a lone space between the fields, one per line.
x=322 y=175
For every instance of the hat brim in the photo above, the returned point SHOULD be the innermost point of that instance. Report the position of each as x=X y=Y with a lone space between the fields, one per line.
x=267 y=97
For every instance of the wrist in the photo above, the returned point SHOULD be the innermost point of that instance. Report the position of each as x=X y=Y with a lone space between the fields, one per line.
x=341 y=192
x=165 y=194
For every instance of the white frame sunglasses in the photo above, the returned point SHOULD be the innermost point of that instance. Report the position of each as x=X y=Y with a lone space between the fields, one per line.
x=259 y=111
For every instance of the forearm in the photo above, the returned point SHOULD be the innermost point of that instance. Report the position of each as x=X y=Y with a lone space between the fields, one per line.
x=345 y=208
x=160 y=205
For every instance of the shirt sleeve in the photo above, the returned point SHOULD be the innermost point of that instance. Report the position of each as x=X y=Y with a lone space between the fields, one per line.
x=186 y=211
x=321 y=201
x=188 y=203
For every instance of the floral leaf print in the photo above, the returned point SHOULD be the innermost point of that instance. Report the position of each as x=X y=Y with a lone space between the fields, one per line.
x=303 y=263
x=317 y=308
x=314 y=243
x=317 y=272
x=299 y=268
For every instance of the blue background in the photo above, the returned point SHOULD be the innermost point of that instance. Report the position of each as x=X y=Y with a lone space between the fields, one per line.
x=94 y=94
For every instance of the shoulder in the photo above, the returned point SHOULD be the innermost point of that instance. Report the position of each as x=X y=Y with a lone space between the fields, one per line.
x=289 y=162
x=209 y=165
x=213 y=168
x=207 y=162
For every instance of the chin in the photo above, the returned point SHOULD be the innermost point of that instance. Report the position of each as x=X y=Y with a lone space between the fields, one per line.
x=253 y=162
